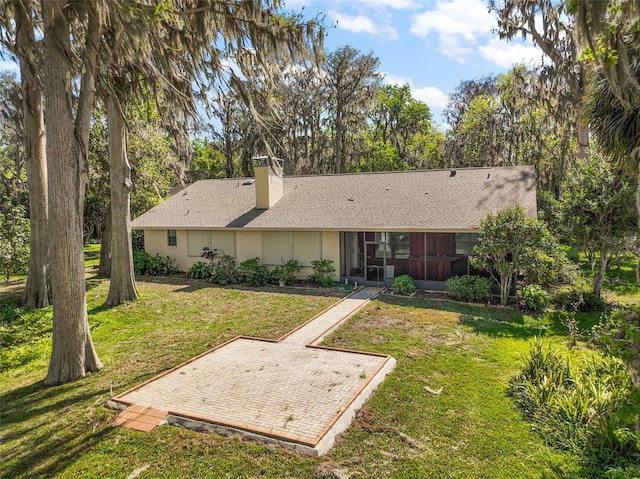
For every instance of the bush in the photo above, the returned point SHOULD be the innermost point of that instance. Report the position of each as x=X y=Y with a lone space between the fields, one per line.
x=579 y=301
x=200 y=270
x=323 y=271
x=469 y=288
x=534 y=298
x=286 y=272
x=144 y=263
x=403 y=284
x=225 y=271
x=255 y=273
x=588 y=411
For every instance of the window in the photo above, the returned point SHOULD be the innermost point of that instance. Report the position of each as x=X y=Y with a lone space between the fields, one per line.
x=465 y=242
x=396 y=245
x=172 y=237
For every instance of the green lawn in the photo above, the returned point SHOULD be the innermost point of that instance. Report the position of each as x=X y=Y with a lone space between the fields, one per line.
x=471 y=429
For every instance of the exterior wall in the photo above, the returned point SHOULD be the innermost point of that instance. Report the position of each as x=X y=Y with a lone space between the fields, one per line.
x=248 y=245
x=155 y=242
x=331 y=250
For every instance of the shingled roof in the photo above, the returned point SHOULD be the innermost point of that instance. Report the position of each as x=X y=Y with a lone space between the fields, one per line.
x=435 y=200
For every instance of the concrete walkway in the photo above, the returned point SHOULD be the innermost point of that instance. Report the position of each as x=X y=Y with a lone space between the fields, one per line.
x=290 y=393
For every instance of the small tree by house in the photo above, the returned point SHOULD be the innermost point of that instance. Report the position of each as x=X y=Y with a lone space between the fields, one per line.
x=596 y=212
x=509 y=243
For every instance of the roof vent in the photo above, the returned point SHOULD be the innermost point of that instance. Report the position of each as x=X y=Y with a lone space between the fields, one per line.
x=452 y=174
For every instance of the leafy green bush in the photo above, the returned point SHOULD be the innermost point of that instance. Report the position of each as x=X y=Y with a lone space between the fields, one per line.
x=144 y=263
x=579 y=301
x=200 y=270
x=589 y=410
x=286 y=272
x=534 y=298
x=225 y=271
x=323 y=272
x=255 y=273
x=469 y=288
x=403 y=284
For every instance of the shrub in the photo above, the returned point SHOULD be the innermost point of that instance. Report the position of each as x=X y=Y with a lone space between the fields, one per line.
x=286 y=272
x=144 y=263
x=200 y=270
x=255 y=273
x=534 y=298
x=225 y=271
x=586 y=410
x=323 y=271
x=469 y=288
x=403 y=284
x=579 y=301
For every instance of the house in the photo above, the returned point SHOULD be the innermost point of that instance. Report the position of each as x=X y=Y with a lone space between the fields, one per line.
x=373 y=226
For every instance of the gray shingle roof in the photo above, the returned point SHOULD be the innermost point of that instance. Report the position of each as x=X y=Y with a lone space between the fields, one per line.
x=389 y=201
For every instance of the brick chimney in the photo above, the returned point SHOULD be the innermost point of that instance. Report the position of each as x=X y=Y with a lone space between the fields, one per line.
x=269 y=184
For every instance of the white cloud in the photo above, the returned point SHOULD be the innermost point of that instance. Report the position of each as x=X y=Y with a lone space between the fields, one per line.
x=435 y=98
x=391 y=79
x=506 y=54
x=432 y=96
x=458 y=24
x=360 y=24
x=393 y=4
x=377 y=4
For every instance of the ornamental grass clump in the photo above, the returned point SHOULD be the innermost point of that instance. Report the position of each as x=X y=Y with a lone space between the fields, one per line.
x=588 y=410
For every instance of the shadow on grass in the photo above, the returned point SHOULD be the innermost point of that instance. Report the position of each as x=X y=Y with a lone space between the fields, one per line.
x=27 y=402
x=51 y=453
x=196 y=285
x=496 y=321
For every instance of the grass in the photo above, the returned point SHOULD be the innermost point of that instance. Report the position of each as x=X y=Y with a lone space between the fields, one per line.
x=409 y=429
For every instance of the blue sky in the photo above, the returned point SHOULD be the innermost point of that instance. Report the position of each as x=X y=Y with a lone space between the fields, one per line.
x=432 y=45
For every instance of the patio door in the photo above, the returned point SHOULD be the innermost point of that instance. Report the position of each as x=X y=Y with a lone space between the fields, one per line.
x=353 y=255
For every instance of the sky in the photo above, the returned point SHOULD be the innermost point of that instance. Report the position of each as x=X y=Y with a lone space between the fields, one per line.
x=431 y=45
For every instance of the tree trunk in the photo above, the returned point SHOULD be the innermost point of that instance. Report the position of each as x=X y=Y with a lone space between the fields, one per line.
x=72 y=354
x=638 y=213
x=104 y=269
x=598 y=280
x=123 y=282
x=36 y=293
x=338 y=141
x=505 y=288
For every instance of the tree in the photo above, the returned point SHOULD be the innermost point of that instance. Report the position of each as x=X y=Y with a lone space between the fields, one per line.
x=502 y=122
x=596 y=211
x=608 y=34
x=18 y=31
x=73 y=354
x=195 y=38
x=548 y=24
x=405 y=124
x=14 y=241
x=352 y=79
x=11 y=139
x=615 y=123
x=509 y=244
